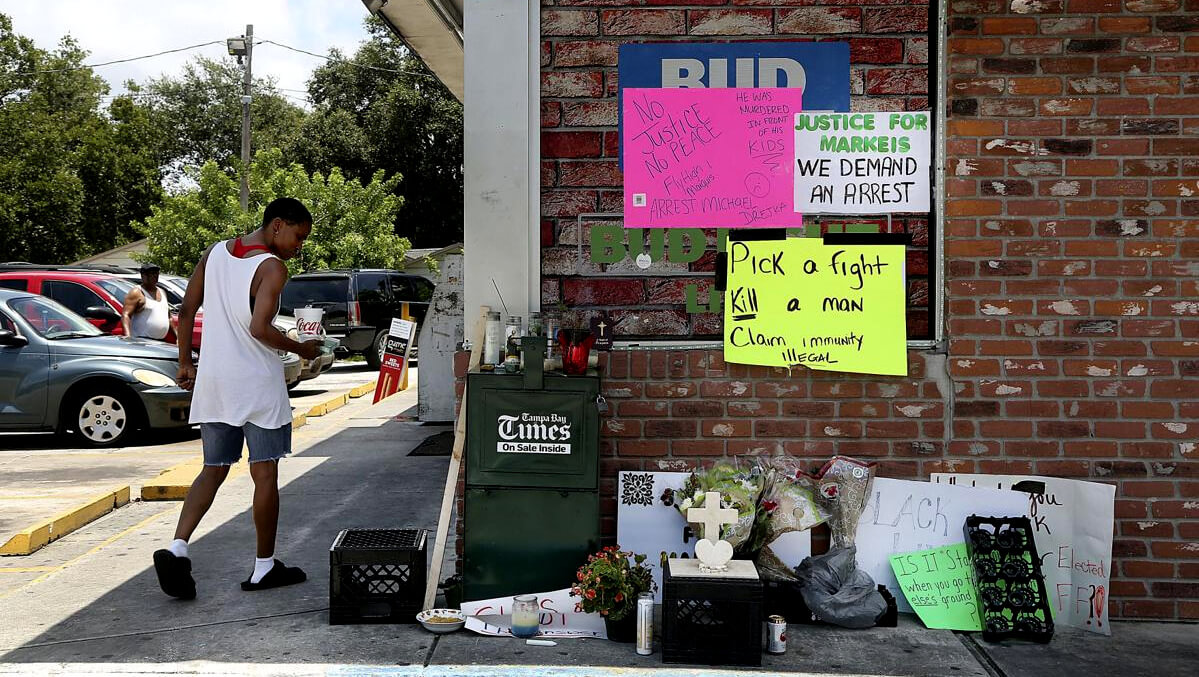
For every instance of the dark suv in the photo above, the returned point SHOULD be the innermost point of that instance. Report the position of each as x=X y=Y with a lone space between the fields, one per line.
x=359 y=304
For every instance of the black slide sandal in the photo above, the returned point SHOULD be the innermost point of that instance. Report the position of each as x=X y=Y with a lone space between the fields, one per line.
x=174 y=574
x=277 y=577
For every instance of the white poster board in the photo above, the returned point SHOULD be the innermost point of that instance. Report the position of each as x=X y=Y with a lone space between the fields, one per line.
x=1073 y=523
x=862 y=163
x=558 y=617
x=645 y=525
x=903 y=516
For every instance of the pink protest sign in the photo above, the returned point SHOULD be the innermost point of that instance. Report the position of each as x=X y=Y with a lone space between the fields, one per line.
x=710 y=158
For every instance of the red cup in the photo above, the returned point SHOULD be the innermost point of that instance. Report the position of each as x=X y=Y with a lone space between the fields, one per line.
x=576 y=348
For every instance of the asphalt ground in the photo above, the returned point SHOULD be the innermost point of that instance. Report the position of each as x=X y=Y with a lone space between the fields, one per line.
x=46 y=482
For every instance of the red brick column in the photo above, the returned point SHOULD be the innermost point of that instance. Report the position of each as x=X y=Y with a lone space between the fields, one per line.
x=1073 y=249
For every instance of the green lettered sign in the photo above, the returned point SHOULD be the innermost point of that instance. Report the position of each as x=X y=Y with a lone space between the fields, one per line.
x=940 y=586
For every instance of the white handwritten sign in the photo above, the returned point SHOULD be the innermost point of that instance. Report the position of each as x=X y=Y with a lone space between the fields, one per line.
x=862 y=163
x=558 y=616
x=902 y=516
x=645 y=525
x=1073 y=522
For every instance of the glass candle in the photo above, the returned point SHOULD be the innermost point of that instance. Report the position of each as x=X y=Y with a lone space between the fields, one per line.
x=526 y=615
x=492 y=341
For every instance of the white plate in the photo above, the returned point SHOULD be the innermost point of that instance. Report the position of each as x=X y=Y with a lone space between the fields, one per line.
x=441 y=628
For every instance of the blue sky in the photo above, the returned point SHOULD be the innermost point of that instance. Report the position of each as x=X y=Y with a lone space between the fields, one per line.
x=118 y=29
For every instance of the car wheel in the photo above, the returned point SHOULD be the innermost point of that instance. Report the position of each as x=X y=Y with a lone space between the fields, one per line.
x=374 y=354
x=104 y=417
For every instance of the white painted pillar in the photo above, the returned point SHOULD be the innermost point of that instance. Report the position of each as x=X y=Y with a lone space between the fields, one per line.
x=502 y=156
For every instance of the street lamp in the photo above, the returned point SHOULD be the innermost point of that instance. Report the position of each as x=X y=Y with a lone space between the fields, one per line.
x=242 y=47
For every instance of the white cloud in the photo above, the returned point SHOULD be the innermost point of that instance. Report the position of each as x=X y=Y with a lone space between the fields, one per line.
x=118 y=29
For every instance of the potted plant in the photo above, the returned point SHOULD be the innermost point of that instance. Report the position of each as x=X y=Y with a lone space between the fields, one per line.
x=609 y=583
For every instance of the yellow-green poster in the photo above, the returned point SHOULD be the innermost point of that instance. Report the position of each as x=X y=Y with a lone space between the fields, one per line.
x=832 y=307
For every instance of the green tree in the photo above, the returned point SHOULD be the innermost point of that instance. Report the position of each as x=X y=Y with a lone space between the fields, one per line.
x=352 y=222
x=198 y=114
x=384 y=110
x=72 y=174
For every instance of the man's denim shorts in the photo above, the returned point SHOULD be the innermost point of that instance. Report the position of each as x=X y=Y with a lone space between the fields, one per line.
x=222 y=442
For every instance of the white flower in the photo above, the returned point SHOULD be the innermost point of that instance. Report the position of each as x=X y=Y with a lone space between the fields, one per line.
x=686 y=503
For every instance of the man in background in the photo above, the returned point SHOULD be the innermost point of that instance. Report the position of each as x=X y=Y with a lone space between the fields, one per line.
x=147 y=314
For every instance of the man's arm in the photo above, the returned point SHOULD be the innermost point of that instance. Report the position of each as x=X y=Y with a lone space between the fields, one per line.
x=186 y=376
x=272 y=275
x=134 y=301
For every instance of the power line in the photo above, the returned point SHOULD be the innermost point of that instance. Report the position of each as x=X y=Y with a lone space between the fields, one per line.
x=347 y=61
x=110 y=63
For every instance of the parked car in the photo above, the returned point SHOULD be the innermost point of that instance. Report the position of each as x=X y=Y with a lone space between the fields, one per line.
x=292 y=368
x=97 y=294
x=59 y=372
x=359 y=304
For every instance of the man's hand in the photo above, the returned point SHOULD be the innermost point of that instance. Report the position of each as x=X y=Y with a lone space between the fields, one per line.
x=186 y=376
x=310 y=349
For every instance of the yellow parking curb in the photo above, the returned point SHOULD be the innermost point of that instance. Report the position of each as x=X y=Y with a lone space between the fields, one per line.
x=37 y=536
x=329 y=405
x=364 y=389
x=299 y=421
x=173 y=483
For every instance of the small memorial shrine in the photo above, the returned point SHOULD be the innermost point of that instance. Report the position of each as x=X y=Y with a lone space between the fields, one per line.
x=712 y=605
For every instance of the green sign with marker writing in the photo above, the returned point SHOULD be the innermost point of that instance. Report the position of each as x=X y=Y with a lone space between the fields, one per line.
x=940 y=586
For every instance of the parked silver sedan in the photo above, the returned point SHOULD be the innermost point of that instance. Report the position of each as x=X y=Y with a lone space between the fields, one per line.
x=60 y=373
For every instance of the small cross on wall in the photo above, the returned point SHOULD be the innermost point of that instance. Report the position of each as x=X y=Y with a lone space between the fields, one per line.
x=712 y=516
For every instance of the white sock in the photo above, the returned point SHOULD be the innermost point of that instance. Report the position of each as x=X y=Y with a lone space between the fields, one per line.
x=262 y=565
x=178 y=547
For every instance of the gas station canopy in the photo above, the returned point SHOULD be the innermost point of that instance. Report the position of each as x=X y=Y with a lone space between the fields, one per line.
x=432 y=29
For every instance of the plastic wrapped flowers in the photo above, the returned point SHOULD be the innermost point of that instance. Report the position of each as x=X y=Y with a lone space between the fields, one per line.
x=738 y=488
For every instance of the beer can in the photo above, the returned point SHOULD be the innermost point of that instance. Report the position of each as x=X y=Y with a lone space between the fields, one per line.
x=645 y=623
x=776 y=635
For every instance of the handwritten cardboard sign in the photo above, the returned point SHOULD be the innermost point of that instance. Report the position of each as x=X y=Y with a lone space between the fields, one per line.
x=1073 y=522
x=645 y=525
x=558 y=617
x=833 y=308
x=902 y=516
x=709 y=158
x=862 y=163
x=939 y=584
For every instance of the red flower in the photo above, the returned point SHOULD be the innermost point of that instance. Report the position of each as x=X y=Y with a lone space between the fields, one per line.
x=590 y=594
x=619 y=596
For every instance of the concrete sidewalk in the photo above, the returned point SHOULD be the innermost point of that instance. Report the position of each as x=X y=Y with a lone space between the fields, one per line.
x=96 y=608
x=48 y=490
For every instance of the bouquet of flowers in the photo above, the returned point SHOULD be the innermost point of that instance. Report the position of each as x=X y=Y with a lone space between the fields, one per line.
x=610 y=581
x=788 y=504
x=738 y=488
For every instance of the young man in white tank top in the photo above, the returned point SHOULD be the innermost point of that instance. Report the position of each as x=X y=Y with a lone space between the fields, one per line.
x=146 y=313
x=238 y=389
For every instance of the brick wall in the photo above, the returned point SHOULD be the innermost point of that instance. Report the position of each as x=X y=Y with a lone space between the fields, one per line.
x=1072 y=252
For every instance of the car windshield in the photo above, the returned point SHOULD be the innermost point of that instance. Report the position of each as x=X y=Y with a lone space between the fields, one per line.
x=115 y=286
x=51 y=320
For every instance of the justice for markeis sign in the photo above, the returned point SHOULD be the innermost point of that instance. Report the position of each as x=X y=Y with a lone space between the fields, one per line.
x=862 y=163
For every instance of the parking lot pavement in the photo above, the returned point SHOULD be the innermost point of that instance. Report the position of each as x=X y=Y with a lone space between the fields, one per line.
x=58 y=488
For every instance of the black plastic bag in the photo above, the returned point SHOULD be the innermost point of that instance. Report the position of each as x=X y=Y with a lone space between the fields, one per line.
x=838 y=592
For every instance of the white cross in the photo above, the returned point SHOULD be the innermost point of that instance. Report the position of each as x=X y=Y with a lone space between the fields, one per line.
x=712 y=516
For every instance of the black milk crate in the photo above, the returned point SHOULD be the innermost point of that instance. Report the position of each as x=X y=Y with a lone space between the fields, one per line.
x=377 y=576
x=711 y=621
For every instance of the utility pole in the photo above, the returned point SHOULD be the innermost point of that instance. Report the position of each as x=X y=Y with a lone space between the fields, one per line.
x=243 y=47
x=245 y=120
